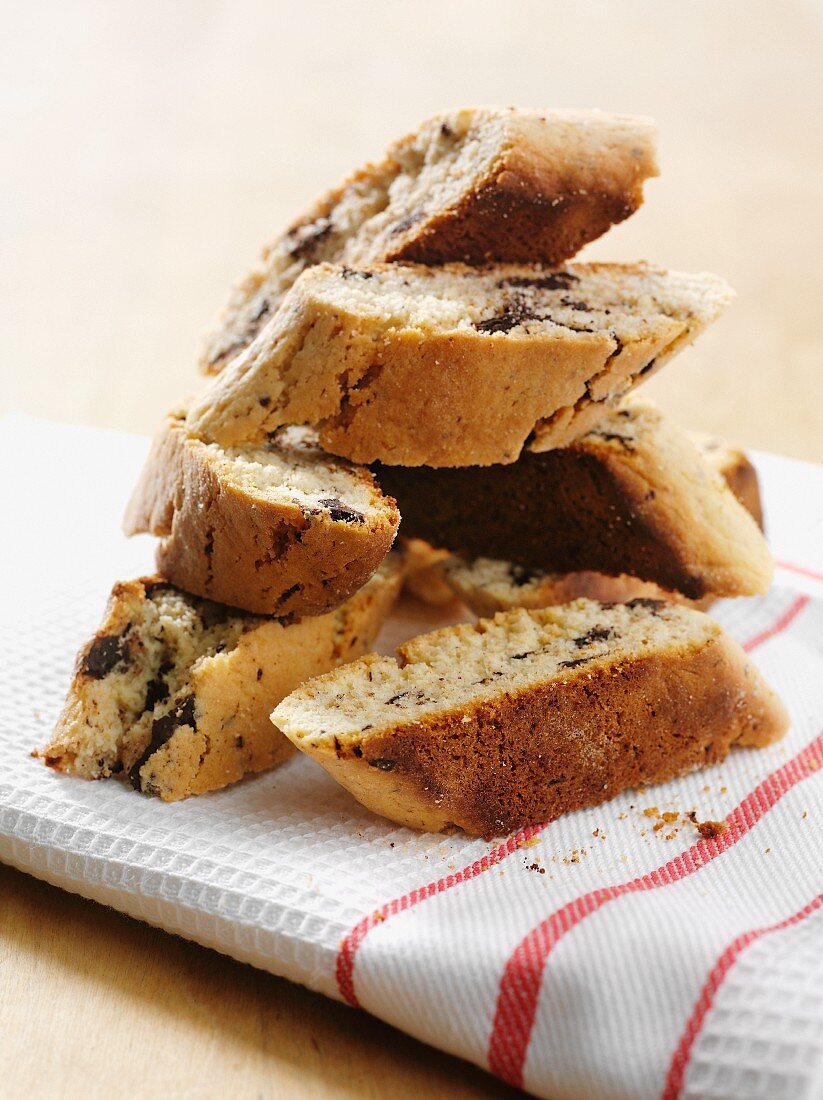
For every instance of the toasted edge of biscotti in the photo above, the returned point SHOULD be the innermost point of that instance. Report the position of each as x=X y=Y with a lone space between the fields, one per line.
x=633 y=497
x=277 y=528
x=512 y=721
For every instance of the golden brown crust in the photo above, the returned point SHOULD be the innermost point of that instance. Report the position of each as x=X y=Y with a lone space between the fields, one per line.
x=578 y=742
x=275 y=558
x=554 y=181
x=736 y=469
x=633 y=497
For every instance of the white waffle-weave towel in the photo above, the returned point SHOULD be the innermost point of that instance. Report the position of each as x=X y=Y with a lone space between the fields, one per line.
x=597 y=957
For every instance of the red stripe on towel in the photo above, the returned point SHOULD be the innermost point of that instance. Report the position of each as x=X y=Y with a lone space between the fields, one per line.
x=788 y=617
x=344 y=969
x=803 y=570
x=682 y=1055
x=523 y=975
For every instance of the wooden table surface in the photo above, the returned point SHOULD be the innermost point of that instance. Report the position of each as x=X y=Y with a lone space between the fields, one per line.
x=149 y=150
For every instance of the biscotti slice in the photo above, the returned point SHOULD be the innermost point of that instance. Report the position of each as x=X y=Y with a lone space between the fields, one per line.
x=279 y=528
x=634 y=496
x=487 y=585
x=176 y=691
x=424 y=577
x=516 y=720
x=453 y=366
x=736 y=469
x=478 y=186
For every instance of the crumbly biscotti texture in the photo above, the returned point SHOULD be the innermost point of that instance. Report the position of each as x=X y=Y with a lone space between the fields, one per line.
x=478 y=186
x=488 y=585
x=454 y=366
x=516 y=720
x=635 y=496
x=279 y=528
x=175 y=692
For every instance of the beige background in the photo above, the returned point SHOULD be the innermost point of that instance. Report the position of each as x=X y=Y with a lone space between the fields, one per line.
x=147 y=151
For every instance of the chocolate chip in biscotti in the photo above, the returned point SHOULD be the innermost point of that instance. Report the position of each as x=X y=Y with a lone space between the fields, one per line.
x=340 y=511
x=514 y=314
x=382 y=764
x=407 y=222
x=158 y=689
x=554 y=280
x=105 y=653
x=595 y=634
x=162 y=730
x=663 y=694
x=304 y=239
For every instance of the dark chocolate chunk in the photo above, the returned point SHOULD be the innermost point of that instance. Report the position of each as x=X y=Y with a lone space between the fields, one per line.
x=596 y=634
x=555 y=280
x=572 y=304
x=645 y=601
x=339 y=511
x=382 y=763
x=521 y=575
x=395 y=698
x=287 y=595
x=626 y=441
x=522 y=656
x=105 y=653
x=407 y=222
x=239 y=742
x=351 y=273
x=512 y=316
x=157 y=690
x=306 y=237
x=574 y=663
x=262 y=311
x=162 y=729
x=264 y=402
x=647 y=368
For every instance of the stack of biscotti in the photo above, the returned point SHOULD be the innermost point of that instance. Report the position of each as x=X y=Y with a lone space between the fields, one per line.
x=275 y=567
x=420 y=345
